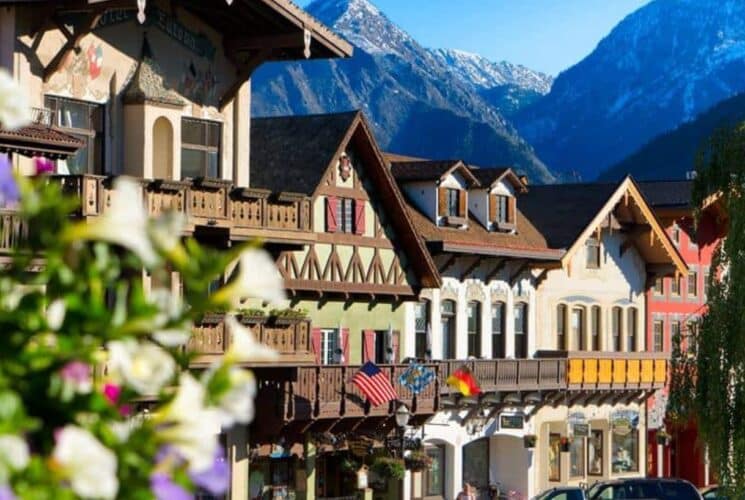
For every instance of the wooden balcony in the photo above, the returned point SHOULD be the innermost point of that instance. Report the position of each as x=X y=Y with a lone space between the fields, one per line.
x=616 y=370
x=12 y=230
x=327 y=392
x=508 y=375
x=209 y=203
x=290 y=338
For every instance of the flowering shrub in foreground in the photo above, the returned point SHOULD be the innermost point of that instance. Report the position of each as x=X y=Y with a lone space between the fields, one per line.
x=82 y=342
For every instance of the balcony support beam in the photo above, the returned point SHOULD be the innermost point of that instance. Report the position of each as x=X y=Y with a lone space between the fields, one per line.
x=494 y=272
x=518 y=272
x=448 y=264
x=470 y=269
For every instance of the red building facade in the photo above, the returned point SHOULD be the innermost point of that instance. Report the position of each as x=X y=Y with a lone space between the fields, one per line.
x=675 y=305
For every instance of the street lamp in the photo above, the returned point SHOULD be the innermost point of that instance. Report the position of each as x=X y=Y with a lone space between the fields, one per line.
x=402 y=418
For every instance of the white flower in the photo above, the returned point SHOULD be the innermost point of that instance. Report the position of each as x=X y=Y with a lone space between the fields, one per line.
x=14 y=452
x=237 y=406
x=15 y=110
x=144 y=366
x=56 y=314
x=89 y=466
x=190 y=427
x=243 y=345
x=166 y=230
x=173 y=337
x=257 y=276
x=124 y=223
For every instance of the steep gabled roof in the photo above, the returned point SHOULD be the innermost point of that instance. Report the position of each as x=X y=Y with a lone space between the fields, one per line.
x=430 y=170
x=293 y=153
x=667 y=194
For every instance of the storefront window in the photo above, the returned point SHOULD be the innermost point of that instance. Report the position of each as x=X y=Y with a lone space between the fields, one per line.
x=577 y=457
x=554 y=457
x=595 y=453
x=625 y=450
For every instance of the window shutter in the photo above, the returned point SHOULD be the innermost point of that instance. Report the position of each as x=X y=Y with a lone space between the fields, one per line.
x=442 y=201
x=368 y=346
x=511 y=210
x=359 y=217
x=344 y=342
x=331 y=223
x=395 y=335
x=315 y=342
x=462 y=203
x=492 y=208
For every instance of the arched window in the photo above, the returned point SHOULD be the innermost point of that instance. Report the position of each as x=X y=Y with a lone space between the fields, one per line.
x=633 y=326
x=474 y=329
x=617 y=325
x=578 y=341
x=596 y=328
x=447 y=315
x=521 y=329
x=561 y=327
x=497 y=330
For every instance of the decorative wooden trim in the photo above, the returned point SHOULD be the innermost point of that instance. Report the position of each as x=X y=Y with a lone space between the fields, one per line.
x=353 y=240
x=340 y=192
x=350 y=288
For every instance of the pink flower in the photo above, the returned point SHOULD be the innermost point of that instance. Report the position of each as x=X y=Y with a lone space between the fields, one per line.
x=112 y=392
x=43 y=165
x=78 y=375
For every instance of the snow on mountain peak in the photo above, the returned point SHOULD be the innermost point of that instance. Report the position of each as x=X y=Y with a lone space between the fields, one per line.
x=482 y=73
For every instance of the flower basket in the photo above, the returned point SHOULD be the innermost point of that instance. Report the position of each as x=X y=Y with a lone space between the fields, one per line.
x=529 y=440
x=252 y=317
x=389 y=468
x=418 y=461
x=285 y=317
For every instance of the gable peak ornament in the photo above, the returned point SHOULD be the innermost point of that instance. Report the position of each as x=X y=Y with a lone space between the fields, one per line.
x=345 y=167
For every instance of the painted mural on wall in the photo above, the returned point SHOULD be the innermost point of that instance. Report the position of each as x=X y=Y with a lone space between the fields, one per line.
x=79 y=71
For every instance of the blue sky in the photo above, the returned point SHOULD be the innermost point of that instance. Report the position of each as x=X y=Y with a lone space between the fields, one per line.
x=546 y=35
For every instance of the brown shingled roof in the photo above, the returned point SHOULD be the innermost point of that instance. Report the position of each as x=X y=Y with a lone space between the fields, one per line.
x=429 y=170
x=39 y=140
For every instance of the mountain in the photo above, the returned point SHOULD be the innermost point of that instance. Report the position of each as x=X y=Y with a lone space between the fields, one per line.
x=659 y=67
x=672 y=154
x=409 y=95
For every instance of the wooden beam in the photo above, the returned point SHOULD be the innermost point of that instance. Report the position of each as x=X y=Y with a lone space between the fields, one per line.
x=471 y=268
x=243 y=74
x=73 y=40
x=540 y=278
x=448 y=264
x=518 y=273
x=280 y=41
x=497 y=269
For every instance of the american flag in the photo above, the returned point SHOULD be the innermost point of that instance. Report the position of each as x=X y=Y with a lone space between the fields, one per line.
x=373 y=383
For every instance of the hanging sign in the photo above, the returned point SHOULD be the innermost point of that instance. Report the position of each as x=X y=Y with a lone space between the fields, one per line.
x=581 y=430
x=624 y=421
x=511 y=422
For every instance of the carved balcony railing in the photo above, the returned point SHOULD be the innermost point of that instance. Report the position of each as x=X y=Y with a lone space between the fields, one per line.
x=495 y=375
x=245 y=213
x=327 y=392
x=12 y=230
x=289 y=337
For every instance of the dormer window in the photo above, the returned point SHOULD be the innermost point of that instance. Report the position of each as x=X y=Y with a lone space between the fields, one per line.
x=593 y=253
x=502 y=212
x=452 y=206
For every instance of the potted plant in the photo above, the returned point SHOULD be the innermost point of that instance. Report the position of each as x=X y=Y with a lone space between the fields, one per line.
x=529 y=440
x=389 y=468
x=287 y=316
x=564 y=444
x=252 y=316
x=349 y=466
x=418 y=461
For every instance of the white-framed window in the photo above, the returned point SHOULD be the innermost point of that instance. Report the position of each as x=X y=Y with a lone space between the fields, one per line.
x=330 y=346
x=345 y=215
x=592 y=247
x=201 y=142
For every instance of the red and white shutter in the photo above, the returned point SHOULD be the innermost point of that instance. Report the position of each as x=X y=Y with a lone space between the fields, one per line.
x=315 y=342
x=395 y=336
x=359 y=217
x=368 y=346
x=332 y=223
x=344 y=343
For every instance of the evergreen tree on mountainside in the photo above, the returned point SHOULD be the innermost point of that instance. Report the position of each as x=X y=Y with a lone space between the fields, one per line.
x=671 y=155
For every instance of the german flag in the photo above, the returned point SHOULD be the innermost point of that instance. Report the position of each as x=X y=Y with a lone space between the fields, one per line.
x=463 y=381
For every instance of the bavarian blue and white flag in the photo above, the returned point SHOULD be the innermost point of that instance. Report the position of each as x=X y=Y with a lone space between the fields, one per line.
x=416 y=378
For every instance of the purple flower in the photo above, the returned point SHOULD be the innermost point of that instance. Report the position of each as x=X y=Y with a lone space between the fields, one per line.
x=216 y=479
x=9 y=193
x=6 y=493
x=43 y=165
x=164 y=488
x=78 y=375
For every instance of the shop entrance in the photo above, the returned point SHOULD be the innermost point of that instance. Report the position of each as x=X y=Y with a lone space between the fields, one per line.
x=334 y=480
x=476 y=466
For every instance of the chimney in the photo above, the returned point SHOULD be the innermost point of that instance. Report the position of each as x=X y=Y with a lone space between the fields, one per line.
x=524 y=179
